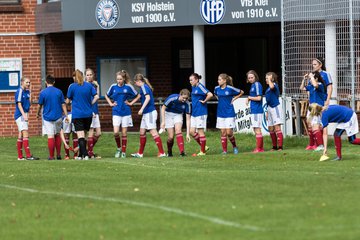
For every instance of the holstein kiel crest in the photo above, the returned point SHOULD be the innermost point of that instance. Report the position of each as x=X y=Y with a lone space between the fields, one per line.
x=107 y=13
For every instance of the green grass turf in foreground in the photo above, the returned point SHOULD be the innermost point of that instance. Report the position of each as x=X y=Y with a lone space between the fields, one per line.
x=273 y=195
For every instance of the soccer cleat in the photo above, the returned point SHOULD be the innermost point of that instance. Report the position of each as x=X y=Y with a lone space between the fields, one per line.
x=336 y=159
x=206 y=149
x=310 y=147
x=118 y=153
x=236 y=150
x=123 y=155
x=67 y=158
x=258 y=150
x=161 y=155
x=280 y=149
x=97 y=156
x=78 y=158
x=21 y=159
x=274 y=149
x=319 y=148
x=223 y=153
x=58 y=157
x=183 y=154
x=86 y=158
x=32 y=158
x=137 y=155
x=169 y=154
x=50 y=158
x=200 y=154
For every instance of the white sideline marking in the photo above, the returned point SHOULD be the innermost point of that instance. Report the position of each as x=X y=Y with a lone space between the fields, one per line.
x=141 y=204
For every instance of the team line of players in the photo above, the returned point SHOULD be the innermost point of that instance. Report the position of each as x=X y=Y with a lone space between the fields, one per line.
x=122 y=95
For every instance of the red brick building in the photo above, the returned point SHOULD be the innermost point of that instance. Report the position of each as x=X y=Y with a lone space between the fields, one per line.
x=38 y=33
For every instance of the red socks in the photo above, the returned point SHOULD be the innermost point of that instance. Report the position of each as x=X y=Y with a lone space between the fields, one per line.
x=232 y=140
x=180 y=142
x=170 y=144
x=356 y=141
x=19 y=145
x=142 y=144
x=311 y=138
x=58 y=145
x=158 y=142
x=337 y=141
x=224 y=143
x=280 y=138
x=259 y=142
x=75 y=145
x=67 y=152
x=203 y=143
x=26 y=147
x=273 y=139
x=123 y=143
x=197 y=138
x=51 y=147
x=117 y=140
x=318 y=137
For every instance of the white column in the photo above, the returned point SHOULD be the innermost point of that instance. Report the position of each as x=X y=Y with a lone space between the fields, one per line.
x=199 y=51
x=330 y=55
x=80 y=54
x=330 y=62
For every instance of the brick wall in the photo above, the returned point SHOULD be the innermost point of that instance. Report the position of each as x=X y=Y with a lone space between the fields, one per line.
x=25 y=46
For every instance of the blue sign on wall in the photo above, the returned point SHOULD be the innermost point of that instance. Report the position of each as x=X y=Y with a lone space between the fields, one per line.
x=10 y=74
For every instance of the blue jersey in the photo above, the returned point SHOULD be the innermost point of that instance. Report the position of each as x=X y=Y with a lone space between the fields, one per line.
x=52 y=99
x=225 y=109
x=120 y=94
x=81 y=96
x=173 y=105
x=95 y=106
x=272 y=96
x=198 y=93
x=327 y=78
x=256 y=106
x=317 y=95
x=146 y=90
x=22 y=96
x=336 y=114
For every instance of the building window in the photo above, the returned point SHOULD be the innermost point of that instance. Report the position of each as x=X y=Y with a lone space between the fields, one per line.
x=9 y=2
x=10 y=6
x=108 y=67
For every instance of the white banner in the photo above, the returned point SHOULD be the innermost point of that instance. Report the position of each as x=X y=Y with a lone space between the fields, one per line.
x=243 y=120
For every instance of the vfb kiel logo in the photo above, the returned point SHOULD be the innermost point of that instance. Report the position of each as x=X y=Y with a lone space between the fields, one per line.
x=212 y=11
x=107 y=13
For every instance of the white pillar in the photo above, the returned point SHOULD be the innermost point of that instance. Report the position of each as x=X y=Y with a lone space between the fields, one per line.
x=80 y=54
x=330 y=62
x=330 y=55
x=199 y=51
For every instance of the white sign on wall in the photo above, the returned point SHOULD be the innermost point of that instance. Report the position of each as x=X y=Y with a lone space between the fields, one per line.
x=243 y=120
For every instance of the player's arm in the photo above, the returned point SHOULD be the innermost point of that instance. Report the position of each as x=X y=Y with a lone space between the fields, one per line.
x=209 y=95
x=237 y=96
x=325 y=138
x=271 y=85
x=134 y=100
x=303 y=82
x=162 y=112
x=329 y=89
x=21 y=109
x=146 y=102
x=188 y=117
x=38 y=112
x=112 y=104
x=96 y=97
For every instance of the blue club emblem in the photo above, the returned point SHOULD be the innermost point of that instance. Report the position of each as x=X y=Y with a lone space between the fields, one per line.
x=107 y=13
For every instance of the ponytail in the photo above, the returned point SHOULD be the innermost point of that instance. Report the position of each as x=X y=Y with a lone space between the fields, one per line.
x=125 y=75
x=229 y=79
x=140 y=77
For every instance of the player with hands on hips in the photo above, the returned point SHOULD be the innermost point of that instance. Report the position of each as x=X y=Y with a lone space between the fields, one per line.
x=200 y=95
x=226 y=95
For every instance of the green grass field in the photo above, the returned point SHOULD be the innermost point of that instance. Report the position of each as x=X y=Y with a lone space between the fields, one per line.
x=273 y=195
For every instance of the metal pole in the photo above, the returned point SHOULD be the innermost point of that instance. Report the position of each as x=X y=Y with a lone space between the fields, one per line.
x=283 y=67
x=42 y=60
x=199 y=51
x=352 y=56
x=80 y=52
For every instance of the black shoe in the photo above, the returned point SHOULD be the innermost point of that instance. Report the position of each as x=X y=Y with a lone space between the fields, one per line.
x=169 y=154
x=183 y=154
x=58 y=157
x=32 y=158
